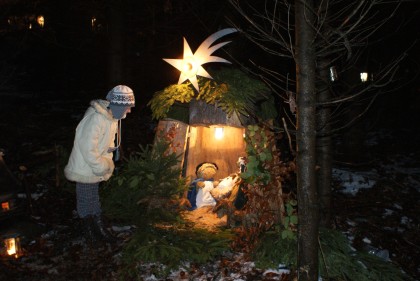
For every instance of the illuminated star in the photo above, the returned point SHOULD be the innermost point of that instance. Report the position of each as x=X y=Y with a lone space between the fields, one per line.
x=191 y=64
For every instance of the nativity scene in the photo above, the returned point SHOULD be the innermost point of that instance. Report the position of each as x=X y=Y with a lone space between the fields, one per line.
x=205 y=120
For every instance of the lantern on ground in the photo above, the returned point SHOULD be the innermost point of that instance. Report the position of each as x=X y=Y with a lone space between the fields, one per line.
x=5 y=206
x=11 y=246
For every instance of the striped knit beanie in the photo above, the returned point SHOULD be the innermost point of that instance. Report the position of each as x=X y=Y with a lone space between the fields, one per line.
x=121 y=95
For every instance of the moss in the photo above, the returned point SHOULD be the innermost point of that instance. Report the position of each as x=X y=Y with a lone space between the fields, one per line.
x=231 y=89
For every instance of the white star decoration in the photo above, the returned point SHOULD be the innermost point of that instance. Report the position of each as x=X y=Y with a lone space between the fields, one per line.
x=191 y=64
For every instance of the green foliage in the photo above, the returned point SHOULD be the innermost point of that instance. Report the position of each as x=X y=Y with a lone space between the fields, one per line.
x=290 y=220
x=338 y=260
x=273 y=250
x=145 y=186
x=140 y=193
x=163 y=100
x=258 y=151
x=264 y=208
x=232 y=90
x=173 y=245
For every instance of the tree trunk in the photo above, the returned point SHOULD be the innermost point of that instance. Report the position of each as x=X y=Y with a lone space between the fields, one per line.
x=324 y=146
x=115 y=43
x=308 y=213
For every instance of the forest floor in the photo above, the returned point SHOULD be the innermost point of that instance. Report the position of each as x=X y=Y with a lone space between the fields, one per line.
x=376 y=204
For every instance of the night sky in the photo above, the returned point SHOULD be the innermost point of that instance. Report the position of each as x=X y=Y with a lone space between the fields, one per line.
x=69 y=56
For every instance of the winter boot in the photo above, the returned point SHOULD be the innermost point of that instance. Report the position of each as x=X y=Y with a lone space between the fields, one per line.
x=101 y=232
x=88 y=230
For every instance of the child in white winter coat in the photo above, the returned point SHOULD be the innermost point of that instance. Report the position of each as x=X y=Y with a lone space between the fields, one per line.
x=98 y=135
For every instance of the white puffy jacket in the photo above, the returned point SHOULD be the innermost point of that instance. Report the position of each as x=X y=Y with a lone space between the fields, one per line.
x=90 y=160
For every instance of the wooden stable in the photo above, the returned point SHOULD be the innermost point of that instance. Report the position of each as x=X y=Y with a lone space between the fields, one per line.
x=197 y=141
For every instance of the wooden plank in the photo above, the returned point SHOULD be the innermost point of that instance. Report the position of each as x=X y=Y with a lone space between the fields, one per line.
x=202 y=113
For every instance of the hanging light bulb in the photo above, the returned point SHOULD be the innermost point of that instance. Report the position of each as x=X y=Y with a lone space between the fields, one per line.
x=218 y=133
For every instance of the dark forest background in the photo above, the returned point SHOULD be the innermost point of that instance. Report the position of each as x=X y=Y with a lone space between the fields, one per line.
x=71 y=54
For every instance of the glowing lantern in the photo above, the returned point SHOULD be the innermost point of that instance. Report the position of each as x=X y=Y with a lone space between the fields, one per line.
x=40 y=20
x=12 y=247
x=5 y=206
x=218 y=133
x=364 y=76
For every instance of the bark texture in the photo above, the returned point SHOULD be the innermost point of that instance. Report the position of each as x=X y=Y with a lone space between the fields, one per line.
x=324 y=146
x=308 y=209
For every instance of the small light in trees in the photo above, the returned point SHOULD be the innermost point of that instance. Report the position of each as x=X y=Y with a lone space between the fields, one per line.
x=333 y=73
x=93 y=23
x=40 y=20
x=364 y=76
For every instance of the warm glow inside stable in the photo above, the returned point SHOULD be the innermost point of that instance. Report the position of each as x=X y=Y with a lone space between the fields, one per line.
x=218 y=133
x=203 y=146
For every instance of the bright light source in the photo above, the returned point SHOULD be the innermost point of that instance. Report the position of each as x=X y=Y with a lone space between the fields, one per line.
x=5 y=206
x=93 y=23
x=191 y=64
x=12 y=246
x=190 y=67
x=218 y=133
x=364 y=76
x=40 y=20
x=333 y=73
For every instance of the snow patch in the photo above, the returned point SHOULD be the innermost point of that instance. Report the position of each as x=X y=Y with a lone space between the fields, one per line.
x=352 y=182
